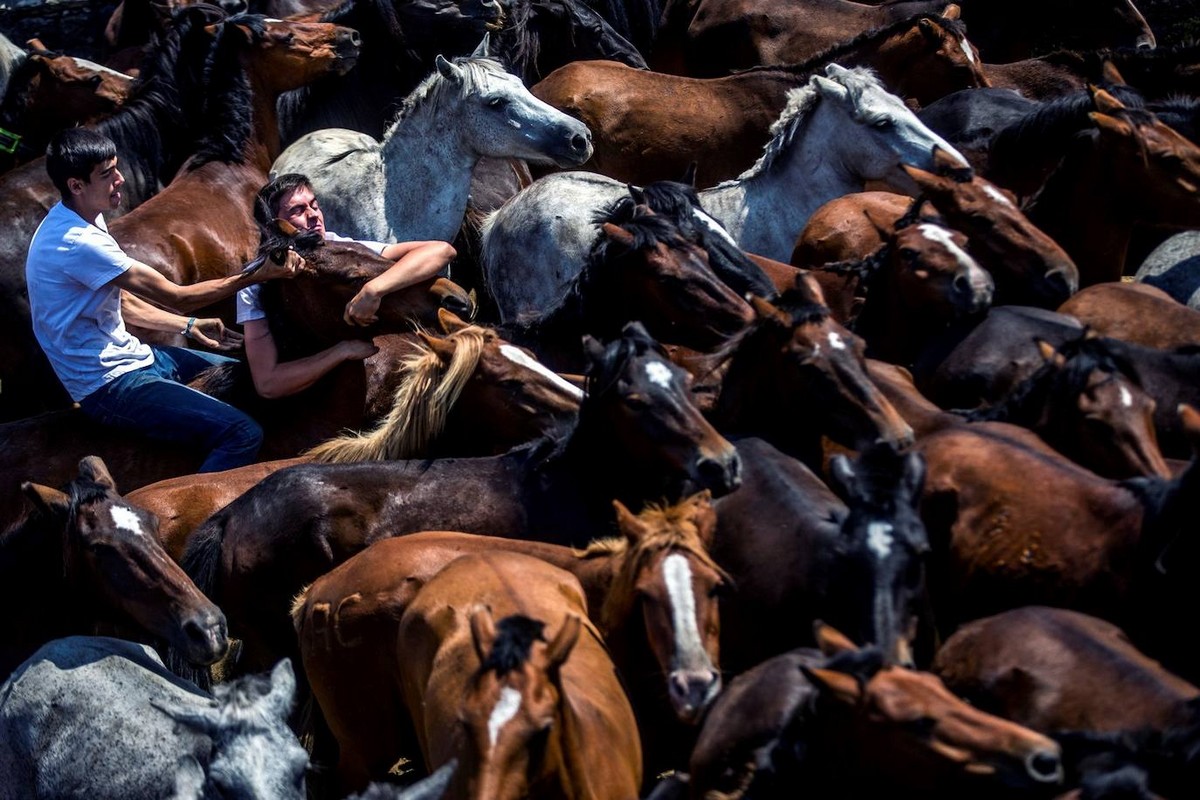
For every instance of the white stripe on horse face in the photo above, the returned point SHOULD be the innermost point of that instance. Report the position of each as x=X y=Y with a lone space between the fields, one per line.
x=996 y=194
x=678 y=576
x=83 y=63
x=879 y=539
x=942 y=236
x=658 y=374
x=1126 y=397
x=835 y=341
x=966 y=48
x=506 y=708
x=125 y=519
x=519 y=356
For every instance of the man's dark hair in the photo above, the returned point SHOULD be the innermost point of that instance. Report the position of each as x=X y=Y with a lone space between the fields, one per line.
x=266 y=204
x=73 y=153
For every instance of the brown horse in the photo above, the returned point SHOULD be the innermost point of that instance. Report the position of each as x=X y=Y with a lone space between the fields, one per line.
x=638 y=439
x=791 y=376
x=1057 y=670
x=1028 y=267
x=1135 y=312
x=50 y=91
x=659 y=627
x=906 y=294
x=44 y=448
x=649 y=126
x=843 y=724
x=525 y=717
x=1012 y=526
x=469 y=393
x=1097 y=168
x=84 y=558
x=201 y=226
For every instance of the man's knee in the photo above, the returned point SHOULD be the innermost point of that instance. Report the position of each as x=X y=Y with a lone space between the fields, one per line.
x=246 y=432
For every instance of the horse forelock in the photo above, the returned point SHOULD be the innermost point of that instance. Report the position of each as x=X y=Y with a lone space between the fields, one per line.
x=228 y=99
x=515 y=636
x=421 y=404
x=431 y=93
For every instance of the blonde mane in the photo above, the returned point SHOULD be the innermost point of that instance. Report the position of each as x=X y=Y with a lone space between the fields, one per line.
x=428 y=390
x=672 y=528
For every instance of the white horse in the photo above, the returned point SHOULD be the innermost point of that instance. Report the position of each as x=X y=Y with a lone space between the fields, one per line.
x=836 y=133
x=414 y=184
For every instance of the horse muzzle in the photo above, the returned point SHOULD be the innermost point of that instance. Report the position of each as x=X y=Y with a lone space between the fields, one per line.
x=720 y=474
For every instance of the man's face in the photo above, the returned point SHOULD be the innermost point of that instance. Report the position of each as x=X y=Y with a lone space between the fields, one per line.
x=300 y=208
x=102 y=190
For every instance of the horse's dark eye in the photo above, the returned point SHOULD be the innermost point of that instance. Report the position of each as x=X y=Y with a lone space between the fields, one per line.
x=497 y=102
x=882 y=124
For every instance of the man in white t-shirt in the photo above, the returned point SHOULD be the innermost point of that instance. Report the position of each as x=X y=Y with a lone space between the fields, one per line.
x=290 y=197
x=82 y=288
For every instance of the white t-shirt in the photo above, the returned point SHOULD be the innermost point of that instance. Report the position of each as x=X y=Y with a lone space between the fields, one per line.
x=248 y=306
x=76 y=308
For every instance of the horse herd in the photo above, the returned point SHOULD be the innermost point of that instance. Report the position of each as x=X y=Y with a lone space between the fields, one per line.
x=784 y=425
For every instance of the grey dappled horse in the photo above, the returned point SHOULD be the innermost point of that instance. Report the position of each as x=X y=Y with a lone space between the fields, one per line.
x=836 y=133
x=414 y=183
x=96 y=717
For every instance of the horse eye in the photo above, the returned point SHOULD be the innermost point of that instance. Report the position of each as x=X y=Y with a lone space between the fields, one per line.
x=637 y=400
x=497 y=102
x=882 y=124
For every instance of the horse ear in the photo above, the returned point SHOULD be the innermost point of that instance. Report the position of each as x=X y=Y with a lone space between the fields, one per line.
x=689 y=174
x=1190 y=418
x=593 y=348
x=764 y=310
x=560 y=647
x=451 y=322
x=278 y=701
x=929 y=29
x=440 y=347
x=637 y=193
x=46 y=500
x=205 y=719
x=951 y=11
x=841 y=473
x=1048 y=353
x=632 y=528
x=1105 y=102
x=482 y=50
x=950 y=166
x=483 y=631
x=845 y=688
x=94 y=469
x=1112 y=125
x=831 y=641
x=704 y=516
x=831 y=90
x=618 y=234
x=450 y=72
x=1111 y=75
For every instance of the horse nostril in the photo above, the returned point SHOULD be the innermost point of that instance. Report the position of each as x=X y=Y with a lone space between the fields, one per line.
x=1044 y=766
x=355 y=38
x=579 y=142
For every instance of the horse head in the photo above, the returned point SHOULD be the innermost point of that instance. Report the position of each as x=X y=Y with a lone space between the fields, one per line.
x=1028 y=267
x=887 y=135
x=936 y=58
x=640 y=401
x=111 y=551
x=512 y=704
x=664 y=567
x=497 y=115
x=876 y=579
x=934 y=276
x=919 y=729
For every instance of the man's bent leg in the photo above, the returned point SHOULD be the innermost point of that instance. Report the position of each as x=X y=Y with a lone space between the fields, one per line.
x=162 y=409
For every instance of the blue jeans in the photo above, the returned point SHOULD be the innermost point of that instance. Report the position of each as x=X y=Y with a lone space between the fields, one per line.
x=154 y=401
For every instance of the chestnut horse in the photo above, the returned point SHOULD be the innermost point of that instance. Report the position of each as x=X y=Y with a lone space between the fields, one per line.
x=1137 y=313
x=44 y=448
x=843 y=723
x=638 y=438
x=649 y=126
x=201 y=226
x=651 y=592
x=1013 y=526
x=83 y=558
x=524 y=716
x=1027 y=266
x=50 y=91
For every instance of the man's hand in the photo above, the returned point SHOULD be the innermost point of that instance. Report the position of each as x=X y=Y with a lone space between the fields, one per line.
x=212 y=333
x=288 y=269
x=362 y=310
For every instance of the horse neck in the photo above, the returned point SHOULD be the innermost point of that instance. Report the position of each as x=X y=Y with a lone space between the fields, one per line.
x=427 y=172
x=1084 y=216
x=263 y=146
x=892 y=332
x=766 y=211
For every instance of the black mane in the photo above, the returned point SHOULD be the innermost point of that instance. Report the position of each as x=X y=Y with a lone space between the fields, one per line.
x=228 y=102
x=515 y=636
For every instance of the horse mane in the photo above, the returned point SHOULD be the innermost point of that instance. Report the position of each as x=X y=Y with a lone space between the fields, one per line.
x=672 y=528
x=432 y=92
x=228 y=99
x=1082 y=356
x=800 y=104
x=867 y=39
x=16 y=87
x=515 y=635
x=516 y=45
x=428 y=391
